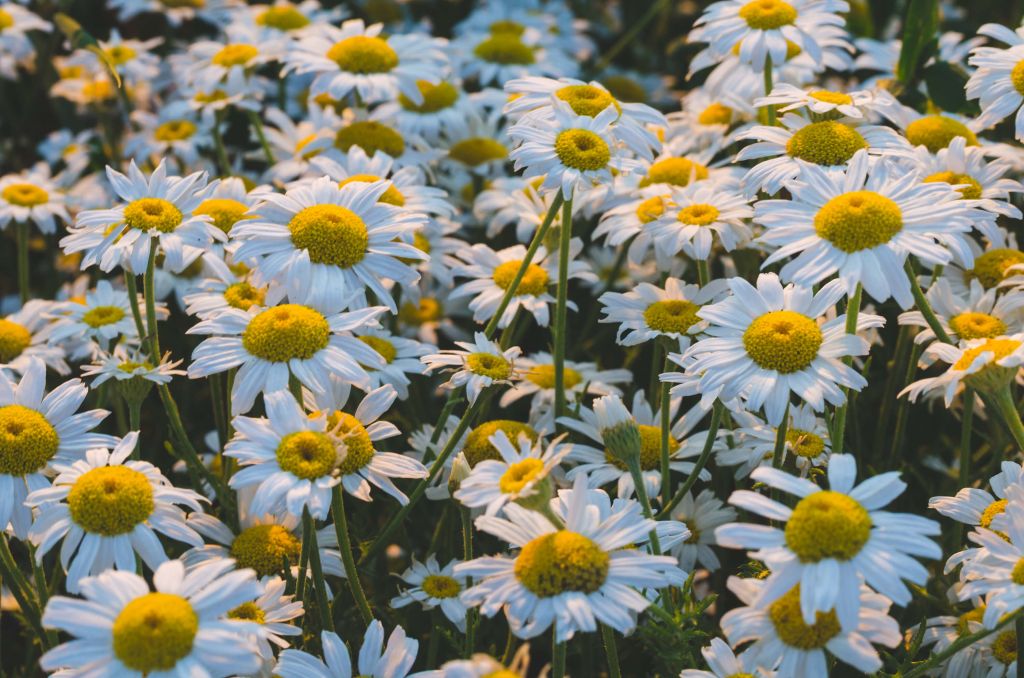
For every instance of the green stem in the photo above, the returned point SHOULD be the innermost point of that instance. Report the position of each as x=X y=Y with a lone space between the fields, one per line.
x=703 y=274
x=557 y=656
x=561 y=310
x=149 y=289
x=705 y=454
x=781 y=432
x=347 y=558
x=257 y=126
x=645 y=503
x=1008 y=410
x=300 y=580
x=666 y=401
x=839 y=425
x=768 y=86
x=133 y=293
x=21 y=234
x=467 y=555
x=611 y=651
x=309 y=532
x=923 y=305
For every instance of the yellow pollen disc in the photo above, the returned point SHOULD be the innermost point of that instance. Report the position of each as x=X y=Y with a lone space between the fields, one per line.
x=1017 y=573
x=435 y=97
x=977 y=326
x=582 y=150
x=783 y=341
x=243 y=295
x=1004 y=647
x=282 y=17
x=27 y=440
x=825 y=143
x=332 y=234
x=371 y=136
x=625 y=89
x=391 y=196
x=999 y=347
x=194 y=4
x=544 y=376
x=306 y=454
x=520 y=474
x=98 y=90
x=174 y=130
x=650 y=209
x=991 y=268
x=478 y=446
x=991 y=511
x=586 y=99
x=286 y=332
x=440 y=586
x=963 y=627
x=858 y=220
x=235 y=54
x=147 y=214
x=489 y=365
x=6 y=20
x=264 y=548
x=791 y=629
x=421 y=242
x=24 y=195
x=535 y=280
x=935 y=132
x=382 y=346
x=225 y=212
x=504 y=48
x=102 y=315
x=559 y=562
x=14 y=339
x=674 y=171
x=110 y=500
x=827 y=524
x=130 y=366
x=154 y=631
x=716 y=114
x=838 y=98
x=364 y=55
x=427 y=310
x=357 y=441
x=671 y=316
x=804 y=443
x=768 y=15
x=650 y=449
x=698 y=215
x=972 y=190
x=210 y=97
x=250 y=612
x=1017 y=77
x=507 y=26
x=477 y=150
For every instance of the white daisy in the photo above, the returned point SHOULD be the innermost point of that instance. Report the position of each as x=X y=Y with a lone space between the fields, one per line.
x=32 y=196
x=294 y=144
x=701 y=515
x=818 y=102
x=104 y=317
x=123 y=365
x=977 y=507
x=402 y=357
x=537 y=380
x=980 y=314
x=934 y=131
x=996 y=573
x=477 y=364
x=16 y=48
x=433 y=586
x=271 y=612
x=807 y=441
x=176 y=130
x=696 y=213
x=375 y=660
x=25 y=336
x=723 y=663
x=984 y=364
x=513 y=201
x=445 y=106
x=998 y=83
x=497 y=56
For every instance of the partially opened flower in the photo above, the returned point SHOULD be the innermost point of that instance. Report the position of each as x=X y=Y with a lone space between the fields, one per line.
x=984 y=364
x=375 y=660
x=477 y=364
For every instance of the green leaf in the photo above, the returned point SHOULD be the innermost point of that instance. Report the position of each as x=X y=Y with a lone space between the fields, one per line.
x=919 y=33
x=946 y=86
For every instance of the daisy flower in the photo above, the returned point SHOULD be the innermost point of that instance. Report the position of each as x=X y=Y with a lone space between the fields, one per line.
x=572 y=576
x=701 y=515
x=513 y=201
x=103 y=317
x=698 y=212
x=977 y=507
x=360 y=130
x=158 y=211
x=997 y=83
x=25 y=337
x=40 y=432
x=767 y=342
x=934 y=131
x=822 y=103
x=831 y=540
x=402 y=357
x=807 y=440
x=996 y=572
x=215 y=295
x=862 y=224
x=329 y=241
x=106 y=509
x=176 y=130
x=133 y=60
x=271 y=612
x=980 y=314
x=629 y=224
x=723 y=663
x=433 y=586
x=16 y=47
x=537 y=379
x=123 y=365
x=214 y=12
x=244 y=48
x=123 y=628
x=497 y=56
x=477 y=145
x=483 y=665
x=445 y=105
x=355 y=58
x=294 y=144
x=984 y=364
x=375 y=660
x=477 y=364
x=32 y=196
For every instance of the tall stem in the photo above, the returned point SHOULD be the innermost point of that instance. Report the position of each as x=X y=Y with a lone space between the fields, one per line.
x=347 y=558
x=839 y=427
x=322 y=603
x=21 y=234
x=257 y=126
x=611 y=651
x=1008 y=410
x=703 y=273
x=924 y=306
x=467 y=554
x=557 y=655
x=768 y=86
x=705 y=454
x=149 y=289
x=561 y=302
x=666 y=402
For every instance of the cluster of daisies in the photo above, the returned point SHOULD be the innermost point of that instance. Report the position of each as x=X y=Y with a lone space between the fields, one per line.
x=337 y=345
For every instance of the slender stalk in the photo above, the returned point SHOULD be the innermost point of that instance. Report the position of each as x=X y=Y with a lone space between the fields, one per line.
x=924 y=306
x=768 y=86
x=645 y=502
x=557 y=656
x=705 y=454
x=133 y=293
x=149 y=289
x=703 y=274
x=781 y=432
x=467 y=554
x=1008 y=410
x=666 y=402
x=21 y=234
x=347 y=558
x=322 y=603
x=611 y=651
x=839 y=425
x=561 y=310
x=257 y=126
x=300 y=581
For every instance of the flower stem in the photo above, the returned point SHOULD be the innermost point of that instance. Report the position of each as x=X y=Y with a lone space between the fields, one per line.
x=149 y=289
x=133 y=293
x=768 y=86
x=705 y=454
x=349 y=561
x=1008 y=410
x=612 y=652
x=666 y=401
x=21 y=234
x=839 y=425
x=924 y=306
x=309 y=532
x=703 y=273
x=467 y=554
x=561 y=302
x=257 y=126
x=557 y=655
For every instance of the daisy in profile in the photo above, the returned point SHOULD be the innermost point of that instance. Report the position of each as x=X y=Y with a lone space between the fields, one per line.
x=980 y=314
x=862 y=224
x=25 y=337
x=269 y=345
x=987 y=365
x=570 y=576
x=433 y=586
x=537 y=381
x=329 y=241
x=699 y=212
x=39 y=433
x=477 y=364
x=701 y=515
x=355 y=58
x=157 y=211
x=787 y=642
x=832 y=540
x=997 y=83
x=821 y=103
x=106 y=509
x=723 y=663
x=975 y=506
x=807 y=442
x=123 y=628
x=375 y=659
x=765 y=343
x=125 y=365
x=32 y=196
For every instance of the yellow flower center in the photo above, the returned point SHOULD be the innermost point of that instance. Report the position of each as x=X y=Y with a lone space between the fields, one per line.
x=225 y=212
x=477 y=150
x=507 y=26
x=283 y=18
x=146 y=214
x=371 y=136
x=6 y=20
x=504 y=48
x=520 y=474
x=935 y=132
x=825 y=143
x=27 y=440
x=382 y=346
x=427 y=310
x=210 y=97
x=250 y=612
x=784 y=341
x=582 y=150
x=650 y=209
x=559 y=562
x=766 y=15
x=674 y=171
x=264 y=548
x=110 y=500
x=650 y=449
x=391 y=196
x=363 y=54
x=858 y=220
x=791 y=629
x=1017 y=77
x=98 y=90
x=991 y=511
x=534 y=281
x=827 y=524
x=102 y=315
x=286 y=332
x=14 y=339
x=972 y=190
x=586 y=99
x=154 y=632
x=971 y=325
x=130 y=366
x=991 y=268
x=194 y=4
x=243 y=295
x=698 y=215
x=963 y=626
x=1004 y=647
x=804 y=443
x=625 y=88
x=716 y=114
x=544 y=376
x=999 y=347
x=235 y=54
x=25 y=195
x=332 y=234
x=671 y=315
x=174 y=130
x=478 y=446
x=837 y=98
x=306 y=454
x=489 y=365
x=353 y=434
x=435 y=97
x=440 y=586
